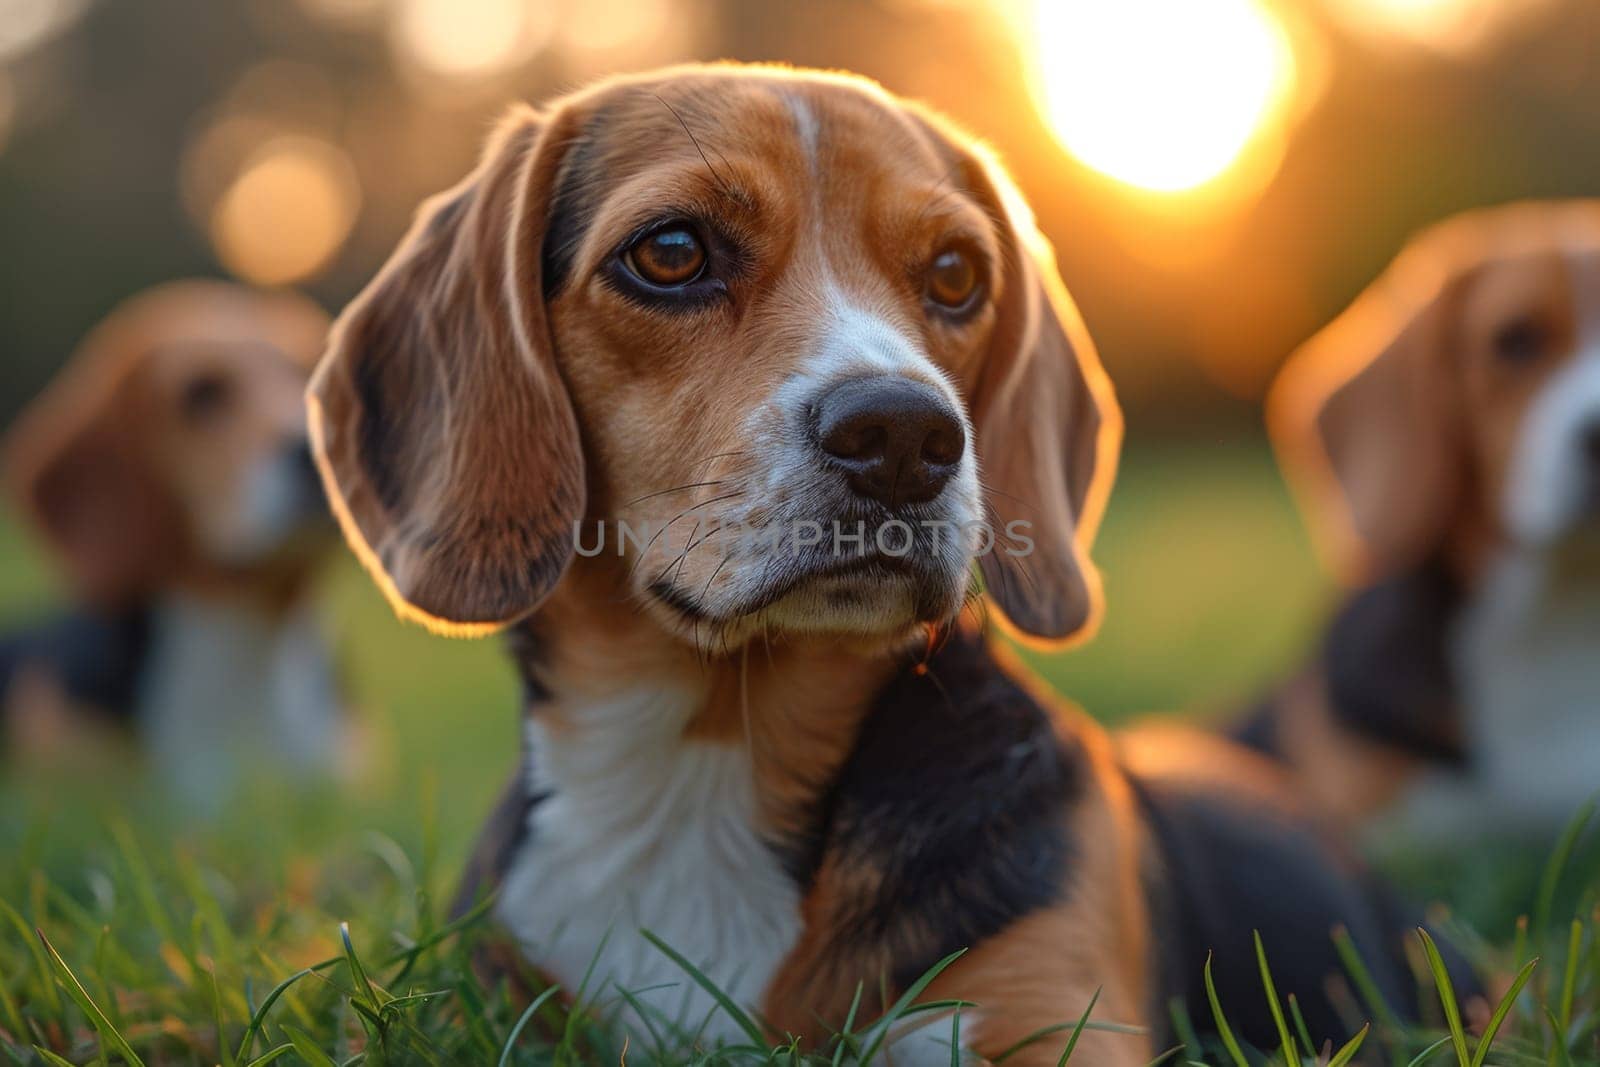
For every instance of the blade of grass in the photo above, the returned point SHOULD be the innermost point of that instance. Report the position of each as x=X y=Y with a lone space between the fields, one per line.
x=1559 y=1055
x=1550 y=879
x=306 y=1047
x=375 y=996
x=144 y=882
x=737 y=1014
x=1077 y=1031
x=900 y=1006
x=1285 y=1039
x=52 y=997
x=1569 y=978
x=1300 y=1026
x=846 y=1038
x=270 y=1055
x=1501 y=1011
x=220 y=1019
x=642 y=1010
x=260 y=1015
x=52 y=1059
x=1224 y=1031
x=1351 y=1047
x=1447 y=997
x=522 y=1021
x=1183 y=1025
x=1423 y=1056
x=109 y=1034
x=1356 y=968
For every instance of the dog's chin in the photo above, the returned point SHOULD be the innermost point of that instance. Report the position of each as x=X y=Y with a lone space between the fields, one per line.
x=870 y=604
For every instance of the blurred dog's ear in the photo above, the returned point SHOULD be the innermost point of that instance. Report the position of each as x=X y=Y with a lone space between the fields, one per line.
x=1367 y=421
x=446 y=439
x=76 y=467
x=1048 y=433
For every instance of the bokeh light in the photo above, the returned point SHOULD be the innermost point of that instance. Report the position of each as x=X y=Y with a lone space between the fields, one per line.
x=610 y=27
x=468 y=38
x=288 y=211
x=1165 y=95
x=1450 y=25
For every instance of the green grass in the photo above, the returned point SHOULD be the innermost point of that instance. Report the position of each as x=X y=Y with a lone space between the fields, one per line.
x=308 y=924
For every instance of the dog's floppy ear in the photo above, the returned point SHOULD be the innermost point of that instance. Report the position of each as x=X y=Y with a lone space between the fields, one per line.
x=77 y=468
x=446 y=439
x=1048 y=433
x=1367 y=421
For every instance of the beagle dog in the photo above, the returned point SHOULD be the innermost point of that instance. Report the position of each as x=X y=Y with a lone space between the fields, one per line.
x=649 y=390
x=1444 y=436
x=168 y=468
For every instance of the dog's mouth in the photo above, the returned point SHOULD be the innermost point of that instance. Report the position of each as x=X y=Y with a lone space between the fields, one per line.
x=822 y=586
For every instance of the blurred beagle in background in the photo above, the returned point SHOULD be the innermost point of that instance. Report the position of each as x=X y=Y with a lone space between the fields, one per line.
x=1444 y=436
x=734 y=298
x=168 y=469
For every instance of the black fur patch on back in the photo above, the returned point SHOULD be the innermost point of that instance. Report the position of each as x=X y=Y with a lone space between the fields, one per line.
x=97 y=658
x=1387 y=659
x=956 y=798
x=1230 y=867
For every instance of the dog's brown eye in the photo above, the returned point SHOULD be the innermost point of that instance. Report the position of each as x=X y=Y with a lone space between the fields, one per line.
x=668 y=258
x=205 y=397
x=952 y=279
x=1521 y=341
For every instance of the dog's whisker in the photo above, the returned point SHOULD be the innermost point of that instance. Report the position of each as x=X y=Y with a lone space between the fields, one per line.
x=987 y=488
x=665 y=492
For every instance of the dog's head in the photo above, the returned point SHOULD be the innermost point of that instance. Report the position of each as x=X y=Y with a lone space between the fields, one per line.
x=173 y=446
x=1456 y=405
x=794 y=350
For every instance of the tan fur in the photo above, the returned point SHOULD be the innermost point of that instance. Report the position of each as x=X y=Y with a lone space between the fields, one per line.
x=111 y=474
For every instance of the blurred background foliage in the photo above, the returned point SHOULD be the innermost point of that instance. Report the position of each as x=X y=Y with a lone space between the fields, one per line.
x=1219 y=178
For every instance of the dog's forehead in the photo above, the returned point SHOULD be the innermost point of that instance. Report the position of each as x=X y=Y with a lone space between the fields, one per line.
x=795 y=127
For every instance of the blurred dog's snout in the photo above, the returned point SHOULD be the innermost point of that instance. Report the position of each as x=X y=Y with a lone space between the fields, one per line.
x=898 y=440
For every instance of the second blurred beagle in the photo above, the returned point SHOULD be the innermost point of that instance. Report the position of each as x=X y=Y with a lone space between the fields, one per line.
x=1444 y=434
x=168 y=468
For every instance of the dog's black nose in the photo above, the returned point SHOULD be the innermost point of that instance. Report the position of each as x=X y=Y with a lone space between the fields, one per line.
x=898 y=440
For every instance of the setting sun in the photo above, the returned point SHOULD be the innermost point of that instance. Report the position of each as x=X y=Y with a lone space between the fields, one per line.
x=1165 y=95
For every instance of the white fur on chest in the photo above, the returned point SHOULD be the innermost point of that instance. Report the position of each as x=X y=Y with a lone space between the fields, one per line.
x=1527 y=661
x=227 y=689
x=640 y=828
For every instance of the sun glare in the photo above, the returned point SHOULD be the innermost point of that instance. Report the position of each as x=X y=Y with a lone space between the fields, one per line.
x=1165 y=95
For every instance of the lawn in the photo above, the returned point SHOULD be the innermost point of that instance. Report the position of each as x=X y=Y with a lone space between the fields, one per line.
x=159 y=933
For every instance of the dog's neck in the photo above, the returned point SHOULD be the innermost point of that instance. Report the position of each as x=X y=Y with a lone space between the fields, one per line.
x=599 y=670
x=671 y=790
